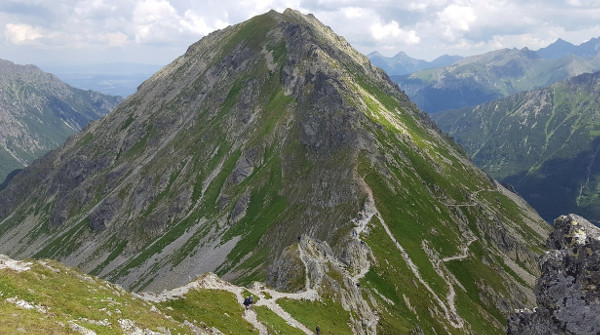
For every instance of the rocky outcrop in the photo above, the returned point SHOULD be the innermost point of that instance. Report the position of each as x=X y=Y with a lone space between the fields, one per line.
x=568 y=290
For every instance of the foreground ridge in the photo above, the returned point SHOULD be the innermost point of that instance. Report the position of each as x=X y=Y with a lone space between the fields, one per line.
x=568 y=290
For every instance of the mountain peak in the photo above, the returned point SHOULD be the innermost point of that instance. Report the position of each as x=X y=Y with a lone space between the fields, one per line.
x=560 y=41
x=273 y=151
x=374 y=54
x=560 y=48
x=401 y=54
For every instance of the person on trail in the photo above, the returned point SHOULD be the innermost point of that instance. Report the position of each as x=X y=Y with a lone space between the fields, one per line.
x=251 y=301
x=318 y=330
x=247 y=303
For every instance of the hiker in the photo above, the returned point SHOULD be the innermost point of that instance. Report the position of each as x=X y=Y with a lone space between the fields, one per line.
x=251 y=301
x=318 y=330
x=247 y=303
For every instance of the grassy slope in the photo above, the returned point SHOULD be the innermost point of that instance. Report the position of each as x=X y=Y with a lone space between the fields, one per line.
x=543 y=142
x=413 y=213
x=63 y=296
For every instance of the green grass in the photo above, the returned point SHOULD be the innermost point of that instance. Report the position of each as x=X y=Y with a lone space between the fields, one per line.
x=215 y=308
x=274 y=323
x=69 y=295
x=137 y=148
x=328 y=315
x=65 y=243
x=128 y=122
x=250 y=33
x=264 y=209
x=471 y=273
x=391 y=278
x=117 y=249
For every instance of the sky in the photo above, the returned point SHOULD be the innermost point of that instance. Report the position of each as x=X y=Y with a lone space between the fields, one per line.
x=80 y=32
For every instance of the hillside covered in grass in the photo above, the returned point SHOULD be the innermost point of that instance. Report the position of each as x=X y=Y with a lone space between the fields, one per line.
x=543 y=142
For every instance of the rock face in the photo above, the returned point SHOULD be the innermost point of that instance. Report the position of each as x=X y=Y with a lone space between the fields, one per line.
x=568 y=290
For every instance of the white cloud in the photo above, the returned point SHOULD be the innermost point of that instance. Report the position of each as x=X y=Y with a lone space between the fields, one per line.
x=196 y=23
x=93 y=8
x=392 y=30
x=353 y=12
x=20 y=34
x=456 y=20
x=421 y=28
x=117 y=39
x=154 y=20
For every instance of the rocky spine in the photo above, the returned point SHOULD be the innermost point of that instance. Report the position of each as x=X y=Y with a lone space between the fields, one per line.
x=568 y=290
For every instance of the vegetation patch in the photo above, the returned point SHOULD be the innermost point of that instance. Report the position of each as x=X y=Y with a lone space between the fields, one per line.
x=215 y=308
x=328 y=315
x=274 y=323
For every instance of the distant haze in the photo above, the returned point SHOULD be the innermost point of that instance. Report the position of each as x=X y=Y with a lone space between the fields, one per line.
x=120 y=79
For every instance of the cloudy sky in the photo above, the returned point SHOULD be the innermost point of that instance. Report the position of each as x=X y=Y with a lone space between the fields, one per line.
x=66 y=32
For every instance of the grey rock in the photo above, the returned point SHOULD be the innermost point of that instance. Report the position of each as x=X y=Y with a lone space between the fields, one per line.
x=568 y=290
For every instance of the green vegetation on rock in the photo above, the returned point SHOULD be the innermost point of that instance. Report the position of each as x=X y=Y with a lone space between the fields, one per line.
x=542 y=142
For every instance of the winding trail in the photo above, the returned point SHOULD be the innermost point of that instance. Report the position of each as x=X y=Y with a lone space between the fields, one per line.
x=451 y=314
x=250 y=316
x=464 y=254
x=211 y=282
x=449 y=309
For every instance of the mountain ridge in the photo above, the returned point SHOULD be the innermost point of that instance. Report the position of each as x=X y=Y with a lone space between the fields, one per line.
x=561 y=48
x=272 y=151
x=401 y=63
x=38 y=113
x=543 y=142
x=477 y=79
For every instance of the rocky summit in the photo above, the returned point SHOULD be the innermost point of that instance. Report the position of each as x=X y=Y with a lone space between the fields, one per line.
x=272 y=151
x=568 y=290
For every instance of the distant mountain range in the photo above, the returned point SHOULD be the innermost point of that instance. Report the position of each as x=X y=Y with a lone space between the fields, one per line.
x=544 y=142
x=562 y=48
x=401 y=63
x=477 y=79
x=38 y=112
